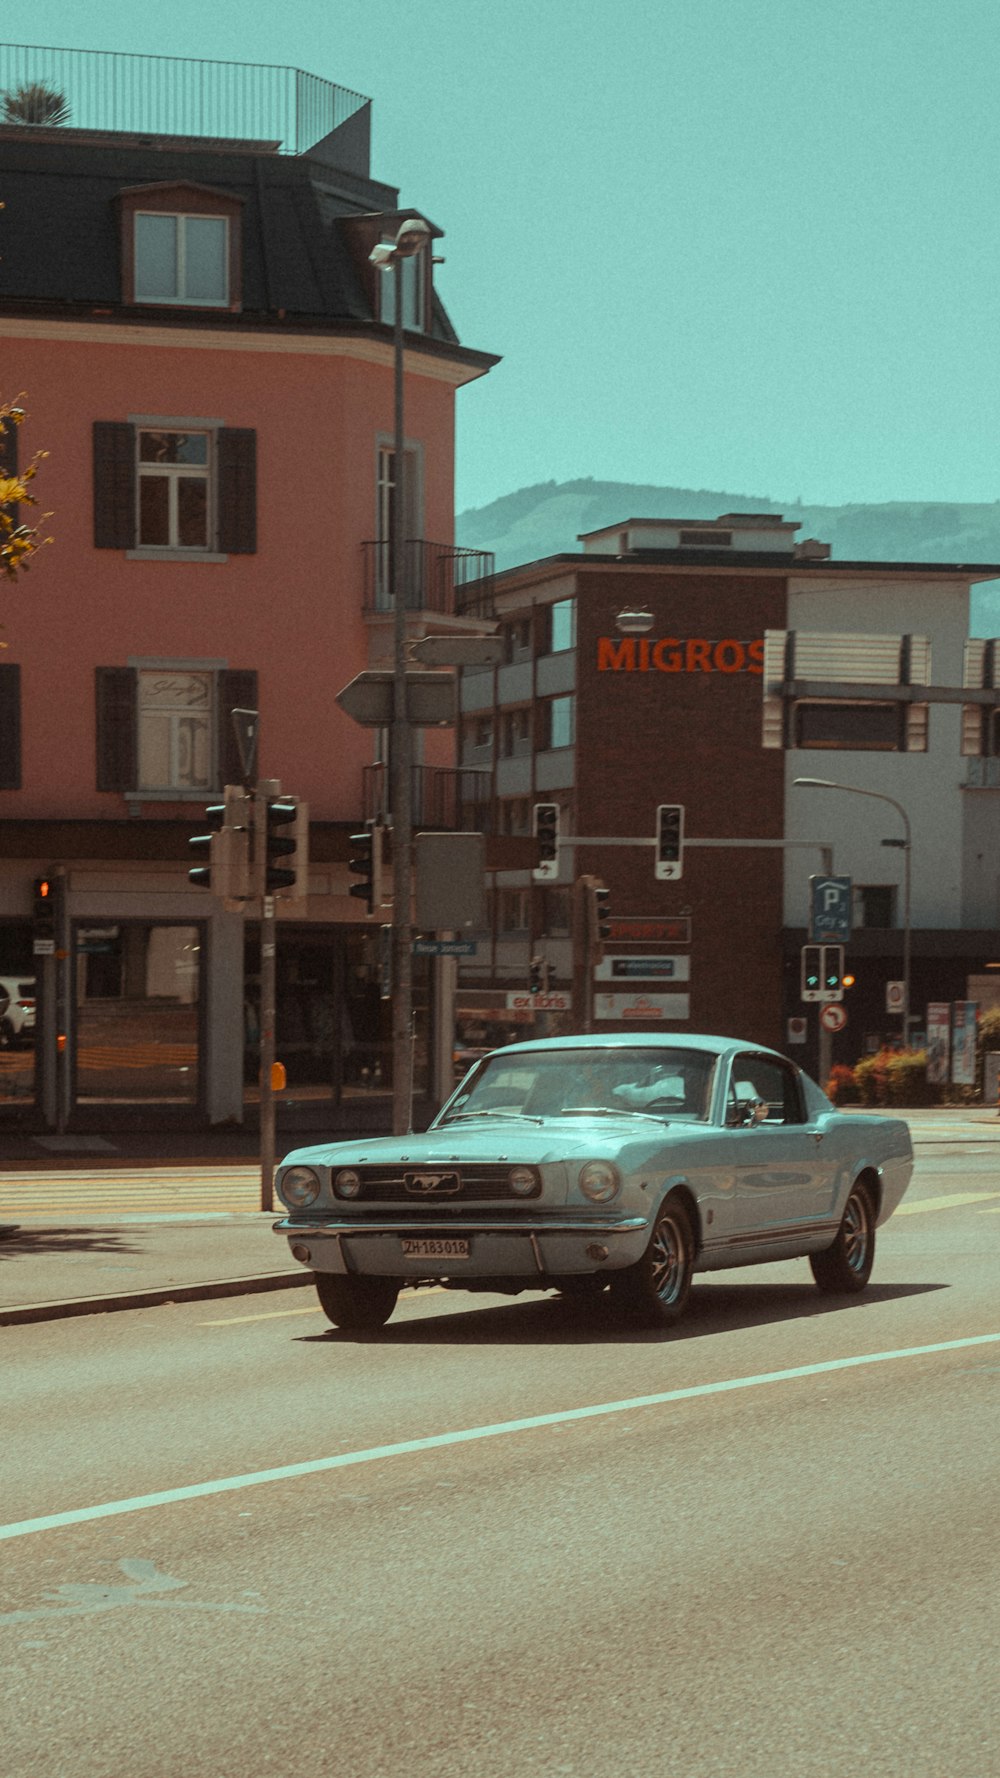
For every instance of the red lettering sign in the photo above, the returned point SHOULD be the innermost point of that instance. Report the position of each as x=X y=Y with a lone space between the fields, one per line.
x=674 y=654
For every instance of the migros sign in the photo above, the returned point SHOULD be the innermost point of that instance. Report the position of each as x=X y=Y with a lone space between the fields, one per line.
x=674 y=654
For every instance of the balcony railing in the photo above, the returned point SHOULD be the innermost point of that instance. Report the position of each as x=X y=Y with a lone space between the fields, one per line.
x=280 y=108
x=438 y=577
x=450 y=797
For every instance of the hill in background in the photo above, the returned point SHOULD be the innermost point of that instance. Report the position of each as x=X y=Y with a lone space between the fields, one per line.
x=546 y=520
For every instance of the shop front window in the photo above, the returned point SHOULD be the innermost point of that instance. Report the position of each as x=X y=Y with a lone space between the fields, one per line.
x=17 y=1016
x=138 y=987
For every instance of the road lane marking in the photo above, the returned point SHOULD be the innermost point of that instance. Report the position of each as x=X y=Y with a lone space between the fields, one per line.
x=442 y=1440
x=280 y=1314
x=947 y=1202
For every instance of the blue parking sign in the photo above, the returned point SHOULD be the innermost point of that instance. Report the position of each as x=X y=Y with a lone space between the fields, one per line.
x=829 y=910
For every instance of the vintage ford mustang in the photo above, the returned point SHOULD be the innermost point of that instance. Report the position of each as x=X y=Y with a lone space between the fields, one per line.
x=593 y=1164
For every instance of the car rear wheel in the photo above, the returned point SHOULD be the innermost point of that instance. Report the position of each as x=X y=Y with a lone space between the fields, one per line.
x=356 y=1304
x=656 y=1289
x=847 y=1266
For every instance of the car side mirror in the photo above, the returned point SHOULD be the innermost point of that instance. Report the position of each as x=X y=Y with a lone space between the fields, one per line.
x=748 y=1113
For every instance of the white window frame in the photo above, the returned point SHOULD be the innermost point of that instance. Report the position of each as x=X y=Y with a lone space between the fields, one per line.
x=179 y=299
x=173 y=473
x=175 y=792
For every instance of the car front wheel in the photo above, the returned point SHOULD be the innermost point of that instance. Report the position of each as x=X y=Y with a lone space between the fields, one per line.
x=847 y=1266
x=656 y=1289
x=356 y=1304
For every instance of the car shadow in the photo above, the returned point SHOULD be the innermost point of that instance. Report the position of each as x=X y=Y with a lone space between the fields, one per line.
x=25 y=1243
x=712 y=1308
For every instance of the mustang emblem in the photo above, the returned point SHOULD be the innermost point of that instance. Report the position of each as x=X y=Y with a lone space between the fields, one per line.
x=425 y=1183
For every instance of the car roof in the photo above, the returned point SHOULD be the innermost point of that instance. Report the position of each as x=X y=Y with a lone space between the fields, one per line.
x=661 y=1040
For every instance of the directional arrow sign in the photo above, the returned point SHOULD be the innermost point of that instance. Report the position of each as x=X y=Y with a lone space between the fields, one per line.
x=431 y=699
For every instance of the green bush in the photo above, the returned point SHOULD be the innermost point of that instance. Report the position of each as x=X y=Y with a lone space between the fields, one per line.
x=842 y=1088
x=906 y=1078
x=869 y=1078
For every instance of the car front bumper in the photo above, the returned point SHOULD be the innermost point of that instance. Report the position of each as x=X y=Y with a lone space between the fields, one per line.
x=534 y=1248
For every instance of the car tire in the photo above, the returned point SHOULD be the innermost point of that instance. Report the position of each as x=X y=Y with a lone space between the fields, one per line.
x=846 y=1267
x=357 y=1305
x=656 y=1289
x=6 y=1036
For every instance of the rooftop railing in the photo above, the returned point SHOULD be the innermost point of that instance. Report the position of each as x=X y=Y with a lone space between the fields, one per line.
x=97 y=90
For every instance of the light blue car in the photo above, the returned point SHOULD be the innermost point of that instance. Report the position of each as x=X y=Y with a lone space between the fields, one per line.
x=599 y=1164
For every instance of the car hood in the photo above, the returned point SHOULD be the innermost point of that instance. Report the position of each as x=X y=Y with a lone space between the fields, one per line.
x=503 y=1139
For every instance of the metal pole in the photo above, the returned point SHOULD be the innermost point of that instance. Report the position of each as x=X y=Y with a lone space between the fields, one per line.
x=906 y=933
x=267 y=999
x=401 y=759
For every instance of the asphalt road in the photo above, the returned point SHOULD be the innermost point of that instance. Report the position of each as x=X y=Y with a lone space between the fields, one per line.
x=519 y=1537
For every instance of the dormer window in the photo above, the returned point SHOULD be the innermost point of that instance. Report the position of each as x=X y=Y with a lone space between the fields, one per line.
x=182 y=259
x=181 y=246
x=415 y=279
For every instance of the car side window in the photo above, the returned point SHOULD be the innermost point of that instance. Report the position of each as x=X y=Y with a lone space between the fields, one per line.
x=766 y=1078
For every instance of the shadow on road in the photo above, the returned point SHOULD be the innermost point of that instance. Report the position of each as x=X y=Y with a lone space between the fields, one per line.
x=28 y=1244
x=563 y=1321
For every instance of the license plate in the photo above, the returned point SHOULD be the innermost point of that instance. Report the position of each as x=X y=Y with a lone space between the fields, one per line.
x=434 y=1247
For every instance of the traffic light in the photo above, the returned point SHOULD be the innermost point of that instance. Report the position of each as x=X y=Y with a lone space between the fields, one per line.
x=538 y=980
x=669 y=842
x=366 y=863
x=273 y=815
x=812 y=972
x=207 y=846
x=833 y=972
x=44 y=913
x=598 y=916
x=546 y=831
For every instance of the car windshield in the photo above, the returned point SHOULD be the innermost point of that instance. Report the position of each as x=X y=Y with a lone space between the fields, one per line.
x=673 y=1083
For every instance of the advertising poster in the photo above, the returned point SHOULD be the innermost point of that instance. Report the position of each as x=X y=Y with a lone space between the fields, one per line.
x=938 y=1042
x=963 y=1043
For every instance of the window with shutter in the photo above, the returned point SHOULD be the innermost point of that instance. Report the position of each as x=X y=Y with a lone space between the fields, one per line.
x=116 y=728
x=164 y=728
x=171 y=488
x=10 y=726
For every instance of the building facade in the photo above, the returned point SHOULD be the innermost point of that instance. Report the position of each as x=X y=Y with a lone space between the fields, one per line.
x=191 y=320
x=710 y=665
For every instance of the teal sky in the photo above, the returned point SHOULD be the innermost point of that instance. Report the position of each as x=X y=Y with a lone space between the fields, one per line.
x=742 y=244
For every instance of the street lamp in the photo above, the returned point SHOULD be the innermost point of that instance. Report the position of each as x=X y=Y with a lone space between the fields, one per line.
x=905 y=847
x=389 y=256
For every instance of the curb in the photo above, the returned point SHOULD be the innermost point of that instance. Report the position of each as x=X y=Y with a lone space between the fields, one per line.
x=151 y=1299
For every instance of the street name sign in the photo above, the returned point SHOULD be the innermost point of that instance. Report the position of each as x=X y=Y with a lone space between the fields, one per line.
x=444 y=947
x=431 y=699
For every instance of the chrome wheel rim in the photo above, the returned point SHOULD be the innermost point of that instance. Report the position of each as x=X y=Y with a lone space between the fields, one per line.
x=667 y=1260
x=856 y=1232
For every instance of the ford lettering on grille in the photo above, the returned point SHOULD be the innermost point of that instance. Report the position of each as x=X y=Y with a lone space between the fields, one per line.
x=425 y=1185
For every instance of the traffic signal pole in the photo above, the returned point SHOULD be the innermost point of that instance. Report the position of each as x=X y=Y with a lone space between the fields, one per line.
x=266 y=788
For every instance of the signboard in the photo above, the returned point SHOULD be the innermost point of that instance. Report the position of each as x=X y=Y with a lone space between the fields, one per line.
x=963 y=1043
x=829 y=910
x=538 y=1003
x=369 y=698
x=631 y=968
x=642 y=1008
x=938 y=1042
x=449 y=882
x=649 y=929
x=894 y=996
x=832 y=1017
x=796 y=1032
x=444 y=947
x=43 y=947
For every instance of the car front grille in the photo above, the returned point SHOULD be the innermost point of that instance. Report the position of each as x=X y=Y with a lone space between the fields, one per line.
x=478 y=1183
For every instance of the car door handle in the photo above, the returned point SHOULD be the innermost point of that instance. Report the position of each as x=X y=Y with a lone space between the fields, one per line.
x=818 y=1135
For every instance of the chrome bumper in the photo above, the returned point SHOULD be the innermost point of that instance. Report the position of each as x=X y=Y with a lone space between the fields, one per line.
x=527 y=1246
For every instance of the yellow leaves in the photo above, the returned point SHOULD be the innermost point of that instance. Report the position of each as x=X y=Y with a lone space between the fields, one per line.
x=18 y=543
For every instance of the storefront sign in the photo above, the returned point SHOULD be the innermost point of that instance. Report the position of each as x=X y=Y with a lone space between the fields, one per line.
x=676 y=654
x=643 y=929
x=444 y=947
x=643 y=969
x=938 y=1042
x=644 y=1008
x=540 y=1002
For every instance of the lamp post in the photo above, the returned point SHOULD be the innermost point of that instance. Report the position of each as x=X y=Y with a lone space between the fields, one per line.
x=905 y=846
x=412 y=236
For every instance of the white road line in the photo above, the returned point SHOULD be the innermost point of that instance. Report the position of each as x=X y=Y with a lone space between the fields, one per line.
x=949 y=1202
x=441 y=1440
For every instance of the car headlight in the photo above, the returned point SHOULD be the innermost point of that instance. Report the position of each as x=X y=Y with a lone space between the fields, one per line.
x=599 y=1181
x=523 y=1181
x=347 y=1183
x=299 y=1186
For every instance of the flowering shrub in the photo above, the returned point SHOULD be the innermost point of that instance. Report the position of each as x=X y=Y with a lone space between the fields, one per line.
x=842 y=1088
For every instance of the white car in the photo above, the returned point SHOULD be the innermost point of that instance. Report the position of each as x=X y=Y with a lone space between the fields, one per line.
x=593 y=1164
x=17 y=1010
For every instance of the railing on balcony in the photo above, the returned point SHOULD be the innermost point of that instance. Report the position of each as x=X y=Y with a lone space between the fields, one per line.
x=438 y=577
x=454 y=798
x=284 y=108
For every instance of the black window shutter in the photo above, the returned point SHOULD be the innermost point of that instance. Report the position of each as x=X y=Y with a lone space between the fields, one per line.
x=114 y=485
x=236 y=689
x=117 y=693
x=10 y=726
x=237 y=461
x=8 y=462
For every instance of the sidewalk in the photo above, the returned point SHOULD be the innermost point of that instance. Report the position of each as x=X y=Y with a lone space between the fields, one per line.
x=84 y=1265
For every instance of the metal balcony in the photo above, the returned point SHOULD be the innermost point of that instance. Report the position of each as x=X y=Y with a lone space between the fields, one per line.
x=451 y=798
x=438 y=577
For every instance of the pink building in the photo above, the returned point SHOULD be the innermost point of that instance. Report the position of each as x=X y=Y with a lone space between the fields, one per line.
x=189 y=315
